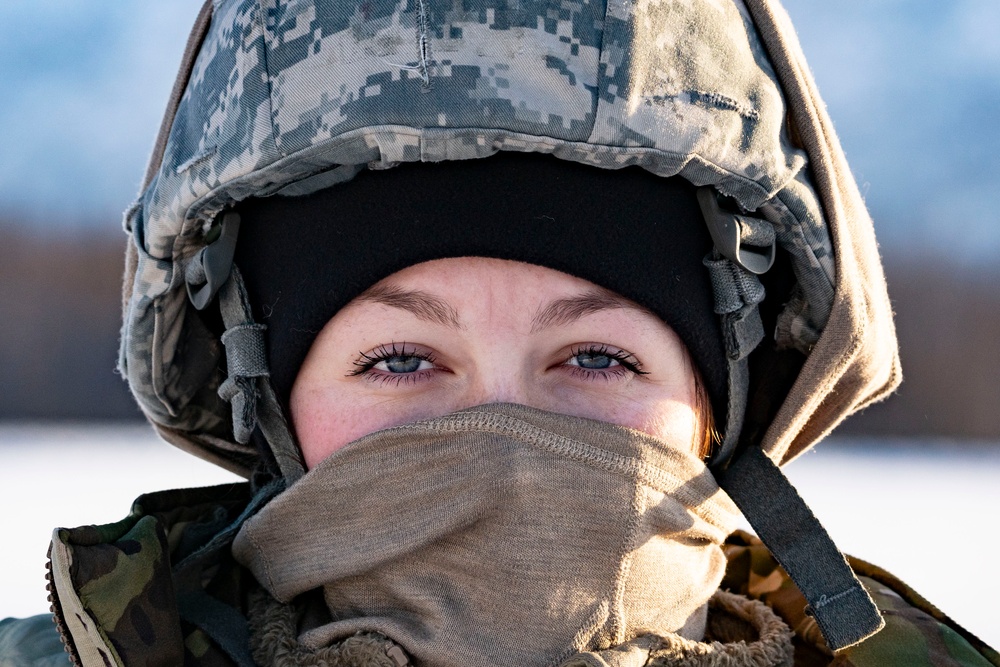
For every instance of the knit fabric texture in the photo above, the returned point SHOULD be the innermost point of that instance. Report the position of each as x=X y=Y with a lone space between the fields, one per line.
x=498 y=535
x=304 y=258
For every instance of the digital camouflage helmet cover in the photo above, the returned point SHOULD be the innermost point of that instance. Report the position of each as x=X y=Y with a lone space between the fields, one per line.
x=290 y=97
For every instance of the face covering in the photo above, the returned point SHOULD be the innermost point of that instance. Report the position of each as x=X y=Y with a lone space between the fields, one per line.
x=497 y=535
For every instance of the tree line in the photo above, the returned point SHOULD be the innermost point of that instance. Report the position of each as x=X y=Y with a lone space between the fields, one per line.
x=60 y=317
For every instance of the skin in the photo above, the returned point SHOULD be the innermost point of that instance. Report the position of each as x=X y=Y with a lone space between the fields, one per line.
x=453 y=333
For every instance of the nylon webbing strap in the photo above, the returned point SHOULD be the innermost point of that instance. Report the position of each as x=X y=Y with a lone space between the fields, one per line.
x=248 y=388
x=841 y=606
x=271 y=421
x=224 y=624
x=737 y=293
x=245 y=357
x=739 y=383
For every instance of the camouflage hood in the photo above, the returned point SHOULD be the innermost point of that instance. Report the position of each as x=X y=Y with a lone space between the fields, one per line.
x=290 y=97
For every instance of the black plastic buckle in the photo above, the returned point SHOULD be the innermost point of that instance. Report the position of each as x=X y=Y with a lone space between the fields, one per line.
x=216 y=259
x=723 y=217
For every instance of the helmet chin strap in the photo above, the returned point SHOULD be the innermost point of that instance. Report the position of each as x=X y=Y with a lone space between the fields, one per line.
x=843 y=609
x=247 y=388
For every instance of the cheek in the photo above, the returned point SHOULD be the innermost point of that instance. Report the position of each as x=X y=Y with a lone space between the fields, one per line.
x=675 y=422
x=661 y=413
x=325 y=421
x=328 y=417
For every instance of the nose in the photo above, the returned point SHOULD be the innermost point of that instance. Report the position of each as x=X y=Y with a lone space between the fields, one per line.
x=505 y=384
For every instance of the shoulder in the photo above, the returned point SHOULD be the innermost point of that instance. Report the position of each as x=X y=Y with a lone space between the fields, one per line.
x=916 y=633
x=120 y=591
x=30 y=641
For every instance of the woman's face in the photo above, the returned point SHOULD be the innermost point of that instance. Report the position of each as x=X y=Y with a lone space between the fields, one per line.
x=454 y=333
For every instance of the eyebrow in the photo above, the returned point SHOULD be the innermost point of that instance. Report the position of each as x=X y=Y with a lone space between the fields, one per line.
x=560 y=312
x=422 y=305
x=570 y=309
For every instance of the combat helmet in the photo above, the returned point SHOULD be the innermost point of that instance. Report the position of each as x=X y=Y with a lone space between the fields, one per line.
x=297 y=97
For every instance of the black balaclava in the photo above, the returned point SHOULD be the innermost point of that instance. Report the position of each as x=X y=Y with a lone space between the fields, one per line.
x=643 y=236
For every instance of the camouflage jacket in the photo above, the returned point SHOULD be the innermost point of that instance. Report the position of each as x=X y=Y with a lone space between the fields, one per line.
x=160 y=587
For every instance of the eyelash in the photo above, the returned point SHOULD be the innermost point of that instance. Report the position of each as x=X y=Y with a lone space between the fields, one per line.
x=365 y=364
x=628 y=363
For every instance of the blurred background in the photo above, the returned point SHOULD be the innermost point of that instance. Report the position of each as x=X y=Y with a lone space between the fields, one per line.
x=913 y=87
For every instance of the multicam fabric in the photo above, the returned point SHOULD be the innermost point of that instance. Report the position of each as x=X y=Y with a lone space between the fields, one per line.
x=916 y=633
x=124 y=592
x=162 y=547
x=287 y=97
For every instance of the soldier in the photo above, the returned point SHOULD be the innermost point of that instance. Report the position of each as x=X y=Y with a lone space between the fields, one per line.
x=505 y=311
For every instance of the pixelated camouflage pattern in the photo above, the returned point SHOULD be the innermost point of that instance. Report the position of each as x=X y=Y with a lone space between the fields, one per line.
x=131 y=574
x=288 y=96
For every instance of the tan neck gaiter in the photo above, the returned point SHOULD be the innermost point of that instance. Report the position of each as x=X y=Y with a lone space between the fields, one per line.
x=498 y=535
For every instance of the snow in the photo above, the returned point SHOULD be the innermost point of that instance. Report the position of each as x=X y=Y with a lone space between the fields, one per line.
x=926 y=511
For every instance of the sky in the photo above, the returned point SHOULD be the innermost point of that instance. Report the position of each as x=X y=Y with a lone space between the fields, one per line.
x=913 y=87
x=85 y=84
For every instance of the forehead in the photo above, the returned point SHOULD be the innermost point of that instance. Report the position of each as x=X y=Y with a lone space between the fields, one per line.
x=458 y=292
x=466 y=274
x=442 y=285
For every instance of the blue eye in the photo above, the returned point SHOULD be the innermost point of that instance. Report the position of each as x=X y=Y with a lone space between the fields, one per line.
x=593 y=361
x=599 y=360
x=403 y=364
x=393 y=362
